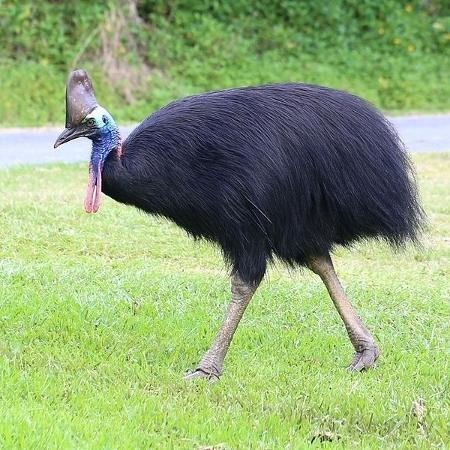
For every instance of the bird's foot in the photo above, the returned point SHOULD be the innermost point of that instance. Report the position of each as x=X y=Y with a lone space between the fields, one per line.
x=210 y=374
x=364 y=358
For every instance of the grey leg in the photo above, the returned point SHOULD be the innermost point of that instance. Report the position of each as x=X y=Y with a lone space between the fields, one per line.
x=212 y=362
x=362 y=340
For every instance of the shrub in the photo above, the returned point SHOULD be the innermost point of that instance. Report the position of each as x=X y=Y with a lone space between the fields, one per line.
x=143 y=53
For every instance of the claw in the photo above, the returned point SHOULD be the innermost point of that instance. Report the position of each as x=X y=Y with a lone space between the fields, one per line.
x=209 y=375
x=364 y=359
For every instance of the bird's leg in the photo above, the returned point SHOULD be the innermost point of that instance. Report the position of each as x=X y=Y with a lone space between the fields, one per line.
x=362 y=340
x=212 y=362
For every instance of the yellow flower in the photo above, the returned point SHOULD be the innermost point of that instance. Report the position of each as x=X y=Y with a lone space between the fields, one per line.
x=381 y=31
x=411 y=48
x=408 y=8
x=397 y=41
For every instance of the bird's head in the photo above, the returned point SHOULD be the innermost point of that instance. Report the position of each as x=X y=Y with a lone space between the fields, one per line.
x=96 y=125
x=85 y=118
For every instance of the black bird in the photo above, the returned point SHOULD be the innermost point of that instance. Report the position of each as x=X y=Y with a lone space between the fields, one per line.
x=287 y=171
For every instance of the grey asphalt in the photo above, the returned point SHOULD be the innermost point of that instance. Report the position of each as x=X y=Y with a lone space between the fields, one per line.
x=30 y=146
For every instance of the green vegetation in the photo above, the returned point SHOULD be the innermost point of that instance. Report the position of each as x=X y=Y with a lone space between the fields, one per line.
x=144 y=53
x=102 y=314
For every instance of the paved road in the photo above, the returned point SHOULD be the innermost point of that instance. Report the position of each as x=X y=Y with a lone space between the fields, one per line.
x=26 y=146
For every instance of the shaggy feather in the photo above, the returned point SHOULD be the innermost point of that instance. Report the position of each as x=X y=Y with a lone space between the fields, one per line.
x=285 y=170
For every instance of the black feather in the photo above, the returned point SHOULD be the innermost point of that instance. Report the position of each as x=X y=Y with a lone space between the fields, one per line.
x=285 y=170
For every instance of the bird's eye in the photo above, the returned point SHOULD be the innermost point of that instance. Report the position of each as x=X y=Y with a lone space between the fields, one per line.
x=90 y=122
x=105 y=119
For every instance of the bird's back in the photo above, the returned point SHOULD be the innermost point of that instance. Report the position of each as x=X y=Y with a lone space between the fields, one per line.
x=289 y=169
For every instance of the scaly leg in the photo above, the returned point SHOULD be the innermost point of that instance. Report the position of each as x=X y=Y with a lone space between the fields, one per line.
x=362 y=340
x=212 y=362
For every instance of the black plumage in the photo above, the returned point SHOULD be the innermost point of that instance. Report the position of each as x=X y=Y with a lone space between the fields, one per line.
x=284 y=170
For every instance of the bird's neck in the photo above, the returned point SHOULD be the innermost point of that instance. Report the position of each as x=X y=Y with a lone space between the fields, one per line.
x=106 y=142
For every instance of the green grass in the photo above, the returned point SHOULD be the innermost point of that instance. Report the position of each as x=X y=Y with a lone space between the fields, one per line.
x=101 y=315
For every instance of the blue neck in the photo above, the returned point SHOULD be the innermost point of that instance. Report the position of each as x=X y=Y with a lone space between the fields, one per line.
x=103 y=143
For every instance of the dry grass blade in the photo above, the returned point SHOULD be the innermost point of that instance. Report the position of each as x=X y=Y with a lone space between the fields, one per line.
x=419 y=411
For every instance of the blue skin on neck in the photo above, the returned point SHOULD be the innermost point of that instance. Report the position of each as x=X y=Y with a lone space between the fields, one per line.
x=105 y=138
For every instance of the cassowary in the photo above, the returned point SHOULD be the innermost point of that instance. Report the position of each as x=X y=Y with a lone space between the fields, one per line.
x=287 y=171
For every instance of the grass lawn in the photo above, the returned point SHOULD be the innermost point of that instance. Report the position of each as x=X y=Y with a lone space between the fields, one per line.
x=101 y=315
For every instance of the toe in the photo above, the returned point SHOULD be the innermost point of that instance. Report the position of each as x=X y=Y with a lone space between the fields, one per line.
x=201 y=373
x=364 y=359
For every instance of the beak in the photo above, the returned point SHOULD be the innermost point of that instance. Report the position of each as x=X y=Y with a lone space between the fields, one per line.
x=70 y=133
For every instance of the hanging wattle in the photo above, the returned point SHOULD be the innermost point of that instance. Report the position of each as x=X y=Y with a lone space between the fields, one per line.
x=93 y=194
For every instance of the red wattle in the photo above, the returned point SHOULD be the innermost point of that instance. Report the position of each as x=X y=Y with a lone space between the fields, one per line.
x=93 y=194
x=98 y=190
